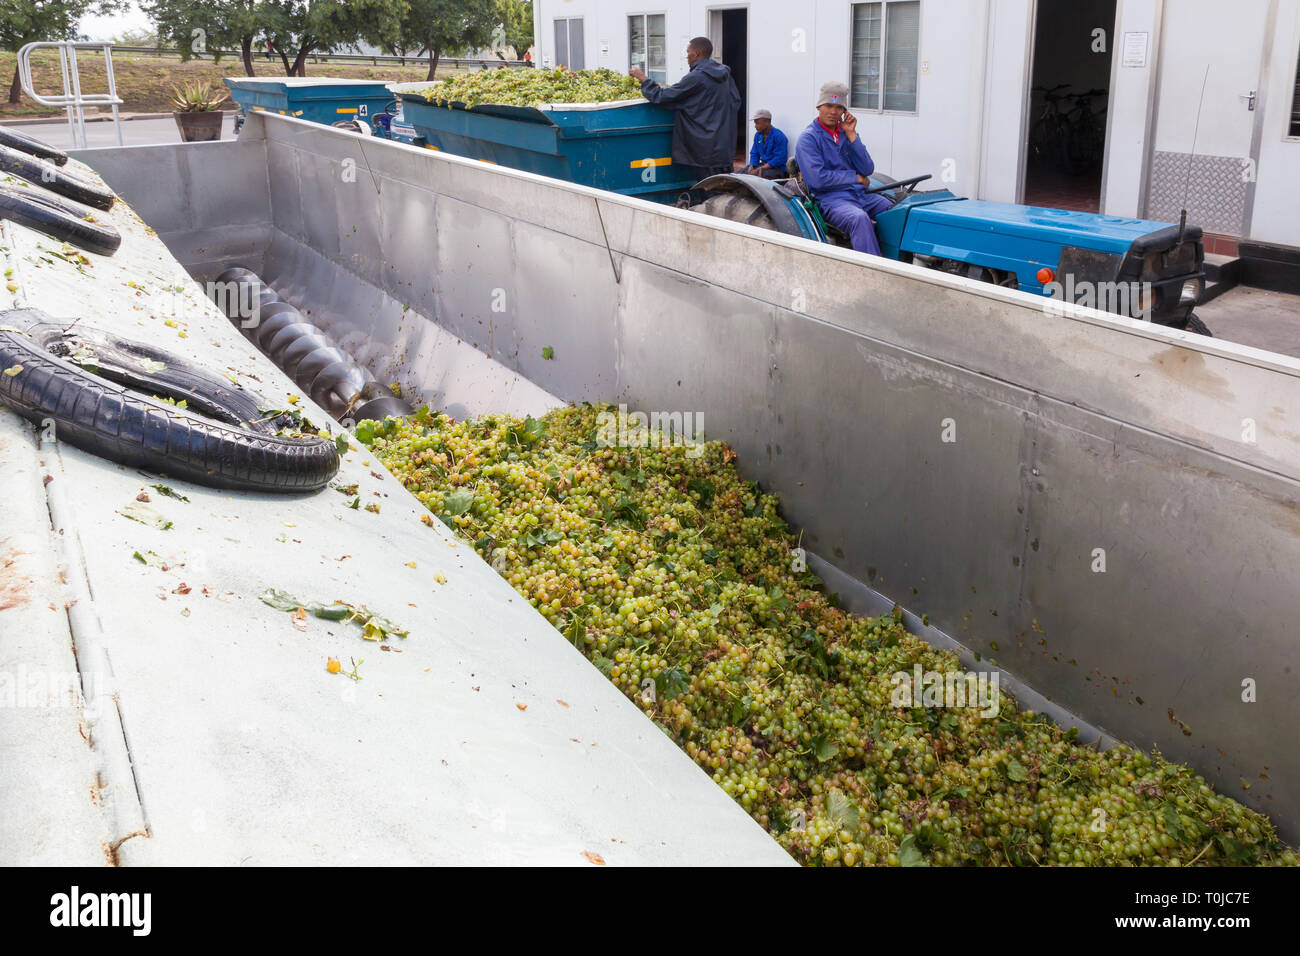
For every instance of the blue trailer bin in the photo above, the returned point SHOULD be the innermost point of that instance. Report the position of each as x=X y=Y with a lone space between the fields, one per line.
x=625 y=147
x=317 y=100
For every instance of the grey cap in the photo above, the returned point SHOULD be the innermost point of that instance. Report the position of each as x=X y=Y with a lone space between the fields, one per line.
x=833 y=93
x=762 y=114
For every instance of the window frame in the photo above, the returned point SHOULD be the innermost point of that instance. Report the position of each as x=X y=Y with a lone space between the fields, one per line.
x=568 y=36
x=879 y=108
x=1292 y=134
x=645 y=16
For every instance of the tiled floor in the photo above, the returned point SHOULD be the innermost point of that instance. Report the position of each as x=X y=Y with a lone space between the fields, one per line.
x=1055 y=190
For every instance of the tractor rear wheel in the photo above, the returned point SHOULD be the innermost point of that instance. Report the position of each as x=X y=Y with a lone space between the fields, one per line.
x=737 y=207
x=1194 y=324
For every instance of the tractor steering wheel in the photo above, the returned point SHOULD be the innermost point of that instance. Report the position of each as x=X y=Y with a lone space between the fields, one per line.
x=910 y=185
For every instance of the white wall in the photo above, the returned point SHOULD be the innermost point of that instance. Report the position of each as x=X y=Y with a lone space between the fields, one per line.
x=1276 y=216
x=794 y=48
x=976 y=65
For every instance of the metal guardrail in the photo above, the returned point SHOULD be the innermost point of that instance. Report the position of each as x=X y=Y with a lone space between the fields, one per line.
x=374 y=59
x=72 y=99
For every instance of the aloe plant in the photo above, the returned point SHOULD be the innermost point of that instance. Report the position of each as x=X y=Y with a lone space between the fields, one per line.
x=199 y=97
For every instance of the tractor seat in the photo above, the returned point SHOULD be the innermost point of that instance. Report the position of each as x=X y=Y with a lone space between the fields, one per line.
x=797 y=187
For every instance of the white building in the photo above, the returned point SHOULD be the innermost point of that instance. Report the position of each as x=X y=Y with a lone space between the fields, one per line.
x=946 y=87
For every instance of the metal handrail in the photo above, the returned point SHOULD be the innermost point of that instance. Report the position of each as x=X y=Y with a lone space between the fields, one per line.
x=74 y=100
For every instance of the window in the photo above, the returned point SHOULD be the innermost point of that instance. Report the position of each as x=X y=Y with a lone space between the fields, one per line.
x=886 y=46
x=647 y=45
x=1295 y=104
x=568 y=43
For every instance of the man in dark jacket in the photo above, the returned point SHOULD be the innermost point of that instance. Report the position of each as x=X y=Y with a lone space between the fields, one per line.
x=707 y=106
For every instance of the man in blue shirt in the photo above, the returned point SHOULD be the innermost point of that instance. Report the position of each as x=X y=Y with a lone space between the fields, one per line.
x=837 y=168
x=771 y=150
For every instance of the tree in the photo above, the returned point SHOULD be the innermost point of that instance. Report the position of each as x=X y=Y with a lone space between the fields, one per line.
x=215 y=28
x=438 y=26
x=519 y=25
x=141 y=37
x=30 y=21
x=301 y=27
x=295 y=28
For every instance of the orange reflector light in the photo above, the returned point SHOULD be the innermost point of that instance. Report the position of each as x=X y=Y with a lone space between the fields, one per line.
x=1046 y=275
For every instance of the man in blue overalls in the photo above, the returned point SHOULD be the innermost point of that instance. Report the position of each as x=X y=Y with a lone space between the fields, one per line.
x=836 y=166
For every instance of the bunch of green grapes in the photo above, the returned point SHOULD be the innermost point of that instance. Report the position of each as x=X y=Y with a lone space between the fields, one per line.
x=513 y=87
x=674 y=576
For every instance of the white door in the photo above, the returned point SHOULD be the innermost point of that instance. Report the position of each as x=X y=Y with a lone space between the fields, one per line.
x=1203 y=157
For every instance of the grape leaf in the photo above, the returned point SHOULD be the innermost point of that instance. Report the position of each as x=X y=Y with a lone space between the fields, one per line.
x=824 y=749
x=145 y=515
x=169 y=492
x=842 y=811
x=458 y=502
x=1173 y=822
x=909 y=854
x=280 y=600
x=671 y=682
x=1236 y=851
x=1016 y=771
x=530 y=431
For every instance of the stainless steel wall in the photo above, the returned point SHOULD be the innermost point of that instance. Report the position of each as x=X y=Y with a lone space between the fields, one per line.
x=1077 y=440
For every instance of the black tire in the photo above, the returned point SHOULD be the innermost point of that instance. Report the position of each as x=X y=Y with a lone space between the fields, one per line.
x=115 y=421
x=1194 y=324
x=736 y=207
x=21 y=141
x=43 y=174
x=60 y=220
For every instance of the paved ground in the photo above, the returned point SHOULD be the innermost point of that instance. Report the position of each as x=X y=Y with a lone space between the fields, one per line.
x=136 y=132
x=1266 y=320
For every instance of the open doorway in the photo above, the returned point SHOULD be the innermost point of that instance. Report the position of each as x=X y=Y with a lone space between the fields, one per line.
x=729 y=34
x=1069 y=94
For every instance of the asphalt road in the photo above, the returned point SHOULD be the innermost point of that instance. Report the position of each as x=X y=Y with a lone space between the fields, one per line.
x=135 y=132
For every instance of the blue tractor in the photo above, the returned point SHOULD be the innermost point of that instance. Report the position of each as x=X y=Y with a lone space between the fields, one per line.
x=1133 y=267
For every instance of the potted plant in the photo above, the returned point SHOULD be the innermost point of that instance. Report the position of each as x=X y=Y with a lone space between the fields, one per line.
x=198 y=111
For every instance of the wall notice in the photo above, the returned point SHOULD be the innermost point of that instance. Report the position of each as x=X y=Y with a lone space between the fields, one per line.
x=1135 y=49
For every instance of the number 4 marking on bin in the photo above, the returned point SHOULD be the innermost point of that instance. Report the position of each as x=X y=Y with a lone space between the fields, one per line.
x=362 y=109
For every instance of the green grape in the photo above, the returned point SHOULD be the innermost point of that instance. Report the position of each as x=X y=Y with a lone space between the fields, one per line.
x=515 y=87
x=673 y=575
